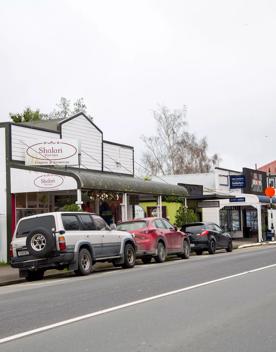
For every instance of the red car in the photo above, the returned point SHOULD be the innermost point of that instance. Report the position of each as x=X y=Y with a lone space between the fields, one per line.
x=157 y=238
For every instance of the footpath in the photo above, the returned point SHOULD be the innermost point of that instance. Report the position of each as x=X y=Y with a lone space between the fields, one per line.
x=9 y=276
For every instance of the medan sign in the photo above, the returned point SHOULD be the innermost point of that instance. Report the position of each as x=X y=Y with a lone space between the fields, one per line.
x=53 y=152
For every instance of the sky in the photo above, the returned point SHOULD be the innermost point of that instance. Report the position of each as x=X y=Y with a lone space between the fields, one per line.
x=127 y=57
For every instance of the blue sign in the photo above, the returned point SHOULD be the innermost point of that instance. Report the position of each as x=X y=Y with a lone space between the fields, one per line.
x=237 y=181
x=237 y=200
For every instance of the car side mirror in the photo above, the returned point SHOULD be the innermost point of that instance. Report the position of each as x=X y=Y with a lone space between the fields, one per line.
x=112 y=226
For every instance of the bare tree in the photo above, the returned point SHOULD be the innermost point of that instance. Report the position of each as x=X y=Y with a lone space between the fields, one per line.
x=174 y=150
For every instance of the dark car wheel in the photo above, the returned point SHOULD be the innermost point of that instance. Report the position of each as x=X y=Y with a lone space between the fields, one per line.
x=198 y=251
x=34 y=275
x=129 y=256
x=230 y=246
x=212 y=247
x=186 y=250
x=146 y=260
x=161 y=253
x=40 y=242
x=85 y=263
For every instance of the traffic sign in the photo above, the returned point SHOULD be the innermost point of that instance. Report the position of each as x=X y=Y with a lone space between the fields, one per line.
x=270 y=191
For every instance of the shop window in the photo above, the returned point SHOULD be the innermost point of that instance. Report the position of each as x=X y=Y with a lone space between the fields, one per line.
x=31 y=200
x=43 y=200
x=20 y=200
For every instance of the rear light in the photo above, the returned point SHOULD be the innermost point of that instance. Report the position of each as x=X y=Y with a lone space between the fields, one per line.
x=11 y=251
x=62 y=243
x=204 y=233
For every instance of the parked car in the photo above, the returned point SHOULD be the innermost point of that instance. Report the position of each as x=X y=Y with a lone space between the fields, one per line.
x=68 y=240
x=156 y=238
x=207 y=236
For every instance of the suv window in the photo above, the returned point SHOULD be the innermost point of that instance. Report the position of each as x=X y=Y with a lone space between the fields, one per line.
x=100 y=223
x=167 y=224
x=70 y=222
x=87 y=222
x=159 y=224
x=27 y=225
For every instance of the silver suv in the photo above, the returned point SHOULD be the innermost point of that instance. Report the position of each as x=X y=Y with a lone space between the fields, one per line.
x=68 y=240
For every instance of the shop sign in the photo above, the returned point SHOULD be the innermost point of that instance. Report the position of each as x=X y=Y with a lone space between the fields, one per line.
x=48 y=181
x=237 y=200
x=237 y=181
x=53 y=152
x=255 y=181
x=208 y=204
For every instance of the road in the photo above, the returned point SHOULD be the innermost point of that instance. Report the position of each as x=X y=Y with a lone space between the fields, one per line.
x=206 y=303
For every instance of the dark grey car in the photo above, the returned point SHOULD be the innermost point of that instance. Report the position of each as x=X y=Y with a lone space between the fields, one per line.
x=207 y=236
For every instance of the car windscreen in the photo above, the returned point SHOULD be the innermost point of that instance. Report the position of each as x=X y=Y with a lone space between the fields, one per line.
x=131 y=226
x=194 y=229
x=27 y=225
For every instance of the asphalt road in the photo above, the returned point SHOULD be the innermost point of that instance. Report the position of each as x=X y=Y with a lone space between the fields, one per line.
x=233 y=314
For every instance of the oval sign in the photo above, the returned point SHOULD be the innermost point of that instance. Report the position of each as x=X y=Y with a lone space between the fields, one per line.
x=51 y=151
x=48 y=181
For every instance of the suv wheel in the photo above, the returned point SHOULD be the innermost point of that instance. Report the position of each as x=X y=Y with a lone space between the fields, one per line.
x=161 y=253
x=186 y=250
x=230 y=246
x=34 y=275
x=212 y=247
x=40 y=242
x=84 y=262
x=129 y=256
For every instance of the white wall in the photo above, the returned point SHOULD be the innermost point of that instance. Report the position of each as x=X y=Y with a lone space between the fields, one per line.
x=222 y=181
x=3 y=197
x=118 y=158
x=211 y=215
x=23 y=137
x=89 y=138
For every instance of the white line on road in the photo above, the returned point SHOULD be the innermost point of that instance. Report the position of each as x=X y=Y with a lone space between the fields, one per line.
x=126 y=305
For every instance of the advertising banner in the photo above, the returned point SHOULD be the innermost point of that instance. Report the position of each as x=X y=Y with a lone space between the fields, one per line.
x=58 y=152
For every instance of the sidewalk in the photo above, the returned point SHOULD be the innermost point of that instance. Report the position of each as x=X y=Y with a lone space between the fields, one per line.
x=9 y=276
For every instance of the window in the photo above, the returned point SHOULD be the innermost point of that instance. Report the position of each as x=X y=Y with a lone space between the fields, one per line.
x=27 y=225
x=167 y=224
x=223 y=180
x=70 y=222
x=87 y=222
x=132 y=226
x=194 y=229
x=159 y=224
x=100 y=223
x=216 y=228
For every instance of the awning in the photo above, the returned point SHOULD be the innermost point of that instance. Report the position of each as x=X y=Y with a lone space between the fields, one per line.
x=265 y=199
x=126 y=184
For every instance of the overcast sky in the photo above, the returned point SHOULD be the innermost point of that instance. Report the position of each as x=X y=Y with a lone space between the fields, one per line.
x=124 y=58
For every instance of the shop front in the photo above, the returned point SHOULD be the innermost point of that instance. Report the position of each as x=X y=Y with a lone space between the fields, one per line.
x=63 y=164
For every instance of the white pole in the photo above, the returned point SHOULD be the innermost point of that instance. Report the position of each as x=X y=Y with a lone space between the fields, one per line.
x=79 y=202
x=159 y=206
x=124 y=206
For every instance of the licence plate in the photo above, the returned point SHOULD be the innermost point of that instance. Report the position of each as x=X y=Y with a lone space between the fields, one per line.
x=192 y=244
x=22 y=253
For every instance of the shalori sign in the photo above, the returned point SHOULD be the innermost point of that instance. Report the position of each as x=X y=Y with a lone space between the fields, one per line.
x=54 y=152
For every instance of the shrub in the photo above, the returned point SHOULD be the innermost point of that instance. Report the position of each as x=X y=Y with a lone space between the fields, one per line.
x=184 y=216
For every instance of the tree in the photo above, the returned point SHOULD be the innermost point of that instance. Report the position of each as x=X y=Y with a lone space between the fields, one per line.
x=185 y=216
x=27 y=115
x=63 y=110
x=174 y=150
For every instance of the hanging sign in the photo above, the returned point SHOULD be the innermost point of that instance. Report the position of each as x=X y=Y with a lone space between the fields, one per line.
x=53 y=152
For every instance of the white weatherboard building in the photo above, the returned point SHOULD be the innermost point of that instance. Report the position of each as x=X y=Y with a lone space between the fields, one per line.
x=47 y=164
x=244 y=212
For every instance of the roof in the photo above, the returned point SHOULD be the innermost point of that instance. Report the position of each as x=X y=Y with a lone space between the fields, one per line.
x=127 y=184
x=47 y=124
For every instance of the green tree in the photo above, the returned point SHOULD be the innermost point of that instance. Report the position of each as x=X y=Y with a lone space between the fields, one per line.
x=185 y=216
x=27 y=115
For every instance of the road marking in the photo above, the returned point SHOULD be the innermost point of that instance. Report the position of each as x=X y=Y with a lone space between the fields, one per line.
x=126 y=305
